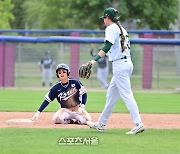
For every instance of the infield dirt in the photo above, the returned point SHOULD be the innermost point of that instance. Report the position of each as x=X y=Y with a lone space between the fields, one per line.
x=117 y=120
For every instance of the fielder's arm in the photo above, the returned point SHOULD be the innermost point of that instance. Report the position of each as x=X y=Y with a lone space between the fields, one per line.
x=102 y=52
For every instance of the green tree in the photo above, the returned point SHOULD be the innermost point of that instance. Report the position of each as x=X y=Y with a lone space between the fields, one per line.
x=63 y=13
x=154 y=13
x=18 y=12
x=85 y=13
x=5 y=14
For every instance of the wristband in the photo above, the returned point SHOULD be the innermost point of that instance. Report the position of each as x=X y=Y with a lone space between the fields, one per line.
x=97 y=57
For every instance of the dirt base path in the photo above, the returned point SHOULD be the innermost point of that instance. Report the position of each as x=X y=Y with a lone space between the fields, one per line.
x=117 y=120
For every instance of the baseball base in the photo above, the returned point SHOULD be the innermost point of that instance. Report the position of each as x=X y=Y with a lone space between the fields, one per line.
x=19 y=121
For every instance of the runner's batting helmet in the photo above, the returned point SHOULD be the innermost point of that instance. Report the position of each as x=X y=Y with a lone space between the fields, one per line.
x=63 y=66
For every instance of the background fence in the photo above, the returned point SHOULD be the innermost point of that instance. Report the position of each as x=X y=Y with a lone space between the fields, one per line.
x=164 y=59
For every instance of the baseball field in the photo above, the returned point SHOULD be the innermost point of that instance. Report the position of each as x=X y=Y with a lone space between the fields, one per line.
x=160 y=113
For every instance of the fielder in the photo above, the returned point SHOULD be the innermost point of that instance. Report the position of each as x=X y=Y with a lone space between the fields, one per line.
x=71 y=95
x=118 y=46
x=102 y=69
x=46 y=64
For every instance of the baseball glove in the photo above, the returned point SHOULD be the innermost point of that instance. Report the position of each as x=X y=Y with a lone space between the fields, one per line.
x=85 y=70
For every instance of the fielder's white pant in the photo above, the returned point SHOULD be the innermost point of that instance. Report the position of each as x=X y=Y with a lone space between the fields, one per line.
x=63 y=115
x=120 y=86
x=47 y=73
x=102 y=75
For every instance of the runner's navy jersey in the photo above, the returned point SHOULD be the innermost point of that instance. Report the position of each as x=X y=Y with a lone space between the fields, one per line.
x=68 y=95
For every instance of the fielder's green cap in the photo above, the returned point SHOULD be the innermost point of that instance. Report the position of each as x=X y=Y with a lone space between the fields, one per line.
x=109 y=12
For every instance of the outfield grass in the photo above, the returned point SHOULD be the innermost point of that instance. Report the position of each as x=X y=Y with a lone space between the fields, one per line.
x=161 y=83
x=30 y=100
x=114 y=141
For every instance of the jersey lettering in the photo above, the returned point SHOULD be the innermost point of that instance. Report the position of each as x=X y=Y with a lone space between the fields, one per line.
x=63 y=96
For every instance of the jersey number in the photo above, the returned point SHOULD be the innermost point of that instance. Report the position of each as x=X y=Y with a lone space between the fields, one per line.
x=127 y=42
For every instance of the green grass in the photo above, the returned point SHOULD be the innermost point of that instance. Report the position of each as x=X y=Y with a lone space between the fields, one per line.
x=162 y=83
x=30 y=100
x=30 y=141
x=114 y=141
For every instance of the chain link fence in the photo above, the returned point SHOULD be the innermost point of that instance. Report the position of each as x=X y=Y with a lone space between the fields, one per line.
x=165 y=68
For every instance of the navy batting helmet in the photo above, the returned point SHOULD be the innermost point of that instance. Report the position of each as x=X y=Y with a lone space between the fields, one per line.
x=63 y=66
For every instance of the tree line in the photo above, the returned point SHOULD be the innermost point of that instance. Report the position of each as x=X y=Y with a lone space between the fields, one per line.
x=84 y=14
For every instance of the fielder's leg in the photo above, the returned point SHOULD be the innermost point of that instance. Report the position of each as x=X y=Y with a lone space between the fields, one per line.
x=123 y=83
x=105 y=77
x=101 y=75
x=43 y=78
x=111 y=100
x=50 y=77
